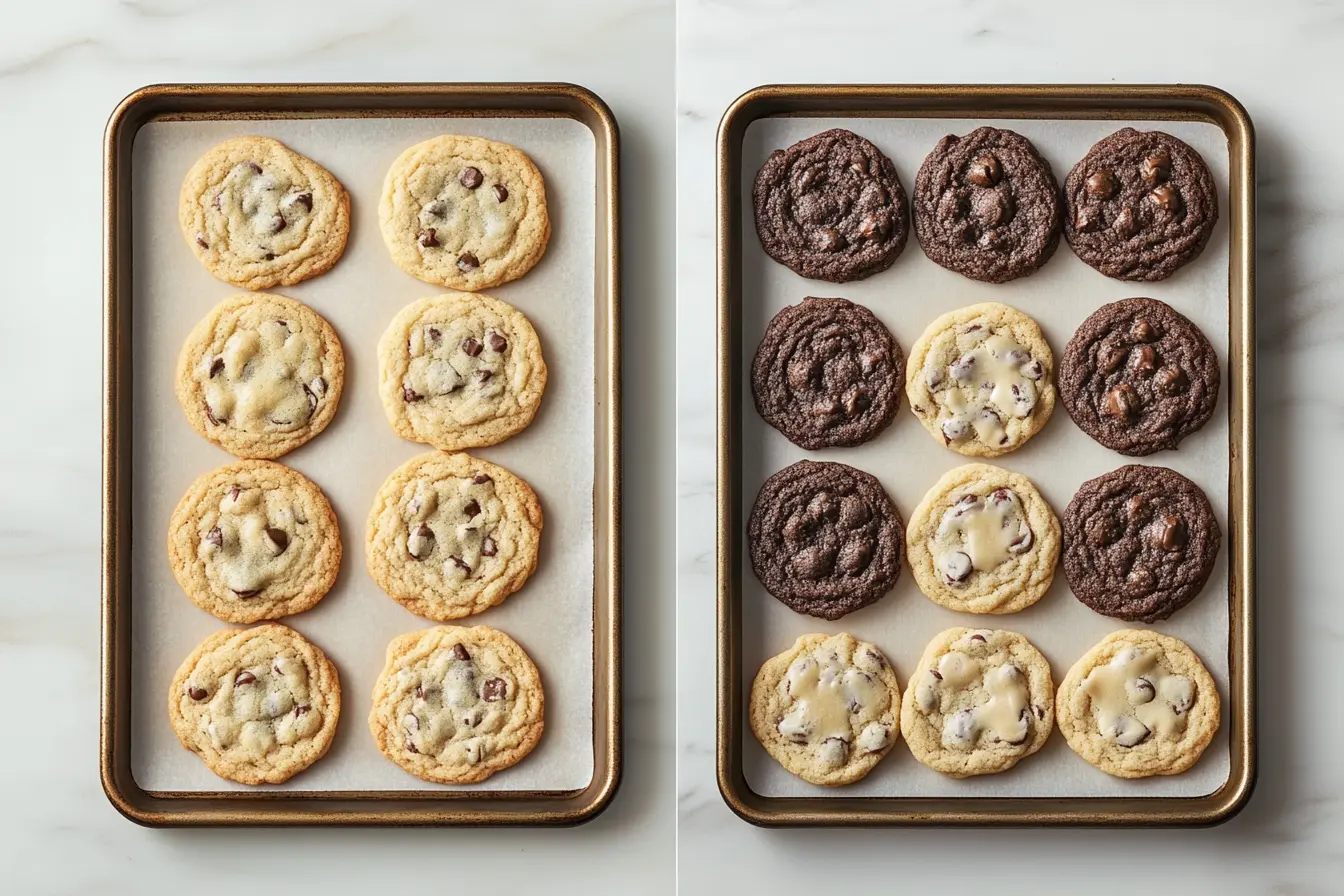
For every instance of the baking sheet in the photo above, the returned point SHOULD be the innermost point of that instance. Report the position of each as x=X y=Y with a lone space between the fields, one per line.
x=908 y=461
x=551 y=617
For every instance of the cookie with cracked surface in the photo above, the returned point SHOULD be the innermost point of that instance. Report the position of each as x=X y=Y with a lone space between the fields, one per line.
x=1140 y=205
x=1139 y=543
x=986 y=206
x=460 y=371
x=983 y=540
x=254 y=540
x=825 y=538
x=257 y=214
x=831 y=207
x=1138 y=704
x=258 y=705
x=455 y=705
x=827 y=374
x=980 y=701
x=260 y=375
x=464 y=212
x=826 y=708
x=1139 y=377
x=980 y=379
x=451 y=535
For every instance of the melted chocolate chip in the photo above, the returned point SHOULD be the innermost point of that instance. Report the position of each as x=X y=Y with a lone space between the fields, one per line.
x=216 y=367
x=470 y=347
x=460 y=652
x=197 y=694
x=279 y=537
x=471 y=178
x=501 y=192
x=428 y=238
x=467 y=262
x=495 y=690
x=243 y=678
x=410 y=395
x=472 y=508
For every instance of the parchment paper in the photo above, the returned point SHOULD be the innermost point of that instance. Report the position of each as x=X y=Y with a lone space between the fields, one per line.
x=908 y=461
x=551 y=616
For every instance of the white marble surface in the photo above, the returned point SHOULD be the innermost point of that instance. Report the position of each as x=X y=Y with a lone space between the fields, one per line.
x=63 y=67
x=1282 y=60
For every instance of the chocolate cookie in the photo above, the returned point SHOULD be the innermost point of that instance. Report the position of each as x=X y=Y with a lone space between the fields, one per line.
x=1139 y=543
x=831 y=207
x=987 y=206
x=825 y=538
x=827 y=374
x=1138 y=377
x=1140 y=205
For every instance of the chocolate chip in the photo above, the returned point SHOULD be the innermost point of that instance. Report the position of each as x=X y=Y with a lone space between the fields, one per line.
x=234 y=492
x=471 y=509
x=421 y=543
x=936 y=674
x=269 y=256
x=219 y=202
x=1126 y=224
x=1101 y=184
x=277 y=223
x=210 y=415
x=200 y=241
x=495 y=690
x=243 y=678
x=1040 y=711
x=215 y=537
x=488 y=547
x=978 y=637
x=1122 y=403
x=497 y=342
x=1088 y=220
x=433 y=334
x=1172 y=380
x=480 y=479
x=1144 y=360
x=246 y=594
x=958 y=567
x=471 y=347
x=1165 y=197
x=256 y=169
x=484 y=375
x=197 y=693
x=467 y=262
x=829 y=240
x=301 y=709
x=410 y=395
x=1156 y=168
x=1110 y=358
x=420 y=692
x=460 y=564
x=216 y=366
x=410 y=747
x=428 y=238
x=460 y=652
x=279 y=536
x=303 y=199
x=471 y=178
x=1172 y=535
x=501 y=192
x=1136 y=507
x=985 y=171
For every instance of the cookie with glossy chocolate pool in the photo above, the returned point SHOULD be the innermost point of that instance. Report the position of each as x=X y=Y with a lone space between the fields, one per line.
x=1140 y=205
x=983 y=540
x=831 y=207
x=979 y=702
x=827 y=374
x=455 y=705
x=1138 y=704
x=981 y=379
x=460 y=371
x=260 y=375
x=451 y=535
x=254 y=540
x=464 y=212
x=1139 y=543
x=257 y=214
x=1138 y=376
x=986 y=205
x=258 y=705
x=825 y=539
x=826 y=708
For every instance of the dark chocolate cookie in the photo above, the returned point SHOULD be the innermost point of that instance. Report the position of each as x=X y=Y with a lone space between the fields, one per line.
x=1138 y=377
x=827 y=374
x=831 y=207
x=1140 y=205
x=987 y=206
x=825 y=538
x=1139 y=543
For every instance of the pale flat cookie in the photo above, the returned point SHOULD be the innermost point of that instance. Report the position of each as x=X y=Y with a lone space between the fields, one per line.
x=981 y=379
x=254 y=540
x=460 y=371
x=257 y=214
x=980 y=701
x=451 y=535
x=258 y=705
x=464 y=212
x=825 y=709
x=1138 y=704
x=455 y=705
x=983 y=540
x=260 y=375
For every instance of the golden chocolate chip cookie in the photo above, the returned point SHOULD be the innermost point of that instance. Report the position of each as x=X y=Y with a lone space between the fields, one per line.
x=254 y=540
x=464 y=212
x=258 y=705
x=257 y=214
x=454 y=705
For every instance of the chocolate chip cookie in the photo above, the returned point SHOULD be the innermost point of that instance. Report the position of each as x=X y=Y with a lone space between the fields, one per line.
x=455 y=705
x=825 y=538
x=1139 y=377
x=1140 y=205
x=826 y=708
x=260 y=375
x=464 y=212
x=1139 y=704
x=831 y=207
x=979 y=702
x=986 y=205
x=451 y=535
x=1139 y=543
x=257 y=214
x=827 y=374
x=258 y=705
x=254 y=540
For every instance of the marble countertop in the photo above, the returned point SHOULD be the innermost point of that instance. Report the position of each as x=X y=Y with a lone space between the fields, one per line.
x=63 y=68
x=1282 y=61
